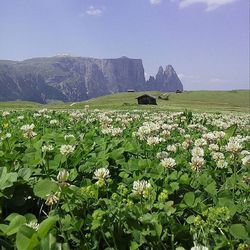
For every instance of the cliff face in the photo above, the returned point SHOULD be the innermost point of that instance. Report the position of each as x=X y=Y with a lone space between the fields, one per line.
x=165 y=80
x=68 y=78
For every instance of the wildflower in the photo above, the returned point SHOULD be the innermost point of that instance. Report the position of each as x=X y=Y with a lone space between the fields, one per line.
x=246 y=160
x=53 y=122
x=21 y=117
x=141 y=188
x=63 y=176
x=246 y=179
x=42 y=111
x=197 y=152
x=33 y=225
x=28 y=131
x=221 y=164
x=233 y=145
x=213 y=147
x=199 y=247
x=168 y=163
x=51 y=199
x=162 y=155
x=5 y=113
x=154 y=140
x=8 y=135
x=171 y=148
x=186 y=143
x=67 y=149
x=217 y=156
x=197 y=163
x=47 y=148
x=200 y=142
x=101 y=174
x=69 y=137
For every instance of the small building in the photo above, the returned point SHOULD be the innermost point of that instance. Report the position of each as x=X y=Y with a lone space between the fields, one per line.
x=146 y=99
x=130 y=90
x=178 y=91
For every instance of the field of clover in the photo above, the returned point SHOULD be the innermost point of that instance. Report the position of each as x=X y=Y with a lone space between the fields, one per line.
x=90 y=179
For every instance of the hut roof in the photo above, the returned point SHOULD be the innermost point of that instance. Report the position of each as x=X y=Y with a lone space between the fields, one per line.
x=151 y=96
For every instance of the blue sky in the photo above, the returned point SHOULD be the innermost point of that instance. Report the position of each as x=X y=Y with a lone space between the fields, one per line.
x=206 y=41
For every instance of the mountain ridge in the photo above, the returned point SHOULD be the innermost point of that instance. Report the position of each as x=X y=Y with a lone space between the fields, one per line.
x=69 y=78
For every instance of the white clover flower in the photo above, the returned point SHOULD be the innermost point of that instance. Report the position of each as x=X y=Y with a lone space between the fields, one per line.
x=197 y=152
x=33 y=225
x=63 y=176
x=36 y=115
x=186 y=144
x=210 y=137
x=21 y=117
x=101 y=175
x=141 y=187
x=200 y=142
x=8 y=135
x=171 y=148
x=28 y=131
x=197 y=163
x=42 y=111
x=162 y=155
x=199 y=247
x=5 y=113
x=213 y=147
x=54 y=122
x=219 y=134
x=168 y=163
x=245 y=152
x=221 y=164
x=67 y=149
x=52 y=199
x=47 y=148
x=70 y=136
x=246 y=160
x=154 y=140
x=233 y=146
x=28 y=127
x=217 y=156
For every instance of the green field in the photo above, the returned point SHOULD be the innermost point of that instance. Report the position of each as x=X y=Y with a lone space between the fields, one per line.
x=235 y=100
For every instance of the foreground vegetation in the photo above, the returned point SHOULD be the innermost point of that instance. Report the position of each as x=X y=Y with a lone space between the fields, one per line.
x=201 y=101
x=124 y=180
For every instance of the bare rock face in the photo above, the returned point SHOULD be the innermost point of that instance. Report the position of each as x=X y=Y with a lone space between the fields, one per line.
x=165 y=80
x=69 y=78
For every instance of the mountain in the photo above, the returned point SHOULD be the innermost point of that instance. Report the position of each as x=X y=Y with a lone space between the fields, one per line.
x=68 y=78
x=165 y=80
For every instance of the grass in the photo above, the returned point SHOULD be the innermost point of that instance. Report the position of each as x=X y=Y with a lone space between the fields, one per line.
x=212 y=101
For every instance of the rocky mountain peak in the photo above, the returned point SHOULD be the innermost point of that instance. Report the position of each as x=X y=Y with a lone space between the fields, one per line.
x=165 y=80
x=69 y=78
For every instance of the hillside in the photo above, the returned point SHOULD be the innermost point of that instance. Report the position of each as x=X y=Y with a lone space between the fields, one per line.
x=236 y=100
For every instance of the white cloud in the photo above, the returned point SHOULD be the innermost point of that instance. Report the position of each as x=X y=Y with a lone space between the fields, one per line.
x=188 y=77
x=217 y=80
x=155 y=1
x=92 y=11
x=210 y=4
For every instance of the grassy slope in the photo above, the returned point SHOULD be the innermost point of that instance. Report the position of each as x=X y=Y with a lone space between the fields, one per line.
x=237 y=100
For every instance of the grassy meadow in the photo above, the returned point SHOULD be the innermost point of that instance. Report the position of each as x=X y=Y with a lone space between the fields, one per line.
x=212 y=101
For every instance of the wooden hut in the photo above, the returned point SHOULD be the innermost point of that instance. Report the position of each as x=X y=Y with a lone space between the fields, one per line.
x=130 y=90
x=178 y=91
x=146 y=99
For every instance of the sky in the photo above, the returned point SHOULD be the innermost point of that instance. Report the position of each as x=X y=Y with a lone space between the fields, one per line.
x=206 y=41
